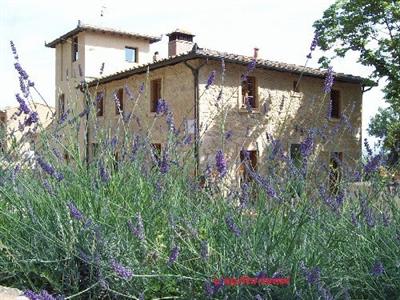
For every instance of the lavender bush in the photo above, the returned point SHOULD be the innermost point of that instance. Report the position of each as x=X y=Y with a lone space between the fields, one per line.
x=142 y=226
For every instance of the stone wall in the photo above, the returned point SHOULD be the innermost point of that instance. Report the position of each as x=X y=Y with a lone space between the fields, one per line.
x=285 y=115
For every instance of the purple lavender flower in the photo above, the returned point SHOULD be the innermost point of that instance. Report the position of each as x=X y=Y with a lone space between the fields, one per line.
x=367 y=147
x=64 y=117
x=45 y=166
x=232 y=226
x=354 y=219
x=84 y=112
x=313 y=275
x=244 y=197
x=385 y=219
x=21 y=71
x=211 y=79
x=105 y=177
x=32 y=118
x=174 y=255
x=220 y=163
x=128 y=92
x=204 y=250
x=101 y=68
x=313 y=45
x=258 y=297
x=372 y=165
x=170 y=121
x=209 y=288
x=138 y=230
x=252 y=65
x=328 y=80
x=22 y=86
x=121 y=271
x=14 y=50
x=74 y=211
x=43 y=295
x=228 y=135
x=164 y=163
x=187 y=140
x=162 y=107
x=377 y=269
x=141 y=88
x=307 y=146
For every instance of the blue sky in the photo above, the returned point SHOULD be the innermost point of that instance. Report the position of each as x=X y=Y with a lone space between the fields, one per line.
x=281 y=29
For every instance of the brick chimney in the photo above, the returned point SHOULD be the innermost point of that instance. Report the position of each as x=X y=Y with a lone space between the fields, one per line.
x=180 y=41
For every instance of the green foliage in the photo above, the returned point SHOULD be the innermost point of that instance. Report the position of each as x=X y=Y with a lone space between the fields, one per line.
x=44 y=247
x=371 y=29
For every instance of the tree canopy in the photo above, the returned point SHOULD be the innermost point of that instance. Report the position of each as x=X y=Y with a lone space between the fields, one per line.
x=371 y=28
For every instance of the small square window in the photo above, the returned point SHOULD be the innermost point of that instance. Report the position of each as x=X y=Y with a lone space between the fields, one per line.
x=131 y=54
x=335 y=104
x=249 y=96
x=296 y=86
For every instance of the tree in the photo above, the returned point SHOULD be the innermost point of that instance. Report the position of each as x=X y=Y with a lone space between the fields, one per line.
x=372 y=29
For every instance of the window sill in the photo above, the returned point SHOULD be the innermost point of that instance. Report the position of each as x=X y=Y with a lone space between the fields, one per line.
x=245 y=111
x=296 y=94
x=334 y=120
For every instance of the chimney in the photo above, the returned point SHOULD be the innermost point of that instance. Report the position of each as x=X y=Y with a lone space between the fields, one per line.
x=156 y=56
x=255 y=53
x=180 y=41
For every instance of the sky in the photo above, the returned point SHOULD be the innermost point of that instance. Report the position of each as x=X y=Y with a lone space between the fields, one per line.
x=281 y=29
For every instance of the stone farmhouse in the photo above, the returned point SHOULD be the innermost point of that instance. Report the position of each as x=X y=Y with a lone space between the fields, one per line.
x=273 y=102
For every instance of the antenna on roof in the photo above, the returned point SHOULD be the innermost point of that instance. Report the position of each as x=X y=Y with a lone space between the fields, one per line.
x=102 y=10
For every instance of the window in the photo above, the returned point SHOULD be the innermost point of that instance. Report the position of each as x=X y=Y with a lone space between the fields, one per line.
x=251 y=157
x=249 y=93
x=61 y=105
x=296 y=87
x=155 y=94
x=335 y=102
x=131 y=54
x=119 y=101
x=335 y=162
x=75 y=52
x=295 y=155
x=99 y=104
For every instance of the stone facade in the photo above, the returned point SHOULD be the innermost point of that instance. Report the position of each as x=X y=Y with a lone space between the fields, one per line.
x=280 y=114
x=284 y=114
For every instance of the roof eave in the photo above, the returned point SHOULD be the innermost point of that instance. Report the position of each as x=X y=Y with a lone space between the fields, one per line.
x=77 y=30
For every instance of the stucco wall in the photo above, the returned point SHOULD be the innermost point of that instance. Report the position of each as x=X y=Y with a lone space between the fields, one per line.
x=110 y=50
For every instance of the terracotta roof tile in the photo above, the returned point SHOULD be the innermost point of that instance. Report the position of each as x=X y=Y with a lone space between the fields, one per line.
x=229 y=58
x=86 y=27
